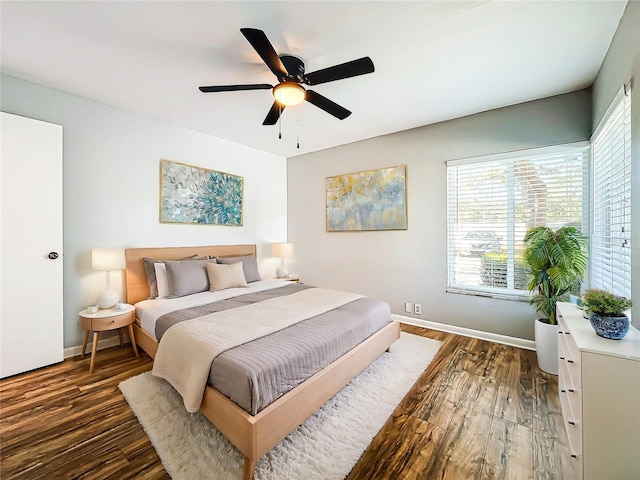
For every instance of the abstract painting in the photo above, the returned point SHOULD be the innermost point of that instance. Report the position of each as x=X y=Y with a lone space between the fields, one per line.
x=369 y=200
x=196 y=195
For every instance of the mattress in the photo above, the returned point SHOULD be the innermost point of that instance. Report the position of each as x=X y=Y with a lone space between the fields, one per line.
x=255 y=374
x=149 y=311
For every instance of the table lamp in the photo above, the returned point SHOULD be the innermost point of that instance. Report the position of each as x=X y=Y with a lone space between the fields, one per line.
x=283 y=250
x=108 y=260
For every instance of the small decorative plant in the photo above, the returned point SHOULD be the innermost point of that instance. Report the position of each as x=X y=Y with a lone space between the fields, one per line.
x=605 y=303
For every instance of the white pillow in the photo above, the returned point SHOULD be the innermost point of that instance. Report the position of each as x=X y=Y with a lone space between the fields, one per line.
x=161 y=279
x=223 y=276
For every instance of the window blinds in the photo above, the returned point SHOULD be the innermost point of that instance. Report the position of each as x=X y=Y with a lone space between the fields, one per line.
x=610 y=256
x=493 y=202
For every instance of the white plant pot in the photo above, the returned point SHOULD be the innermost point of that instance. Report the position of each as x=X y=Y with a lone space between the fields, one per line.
x=547 y=347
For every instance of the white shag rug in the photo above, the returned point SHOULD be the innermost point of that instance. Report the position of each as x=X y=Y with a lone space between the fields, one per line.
x=325 y=447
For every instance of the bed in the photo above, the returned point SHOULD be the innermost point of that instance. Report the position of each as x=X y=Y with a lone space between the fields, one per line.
x=255 y=434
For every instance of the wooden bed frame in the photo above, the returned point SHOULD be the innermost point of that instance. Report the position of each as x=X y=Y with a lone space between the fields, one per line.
x=255 y=435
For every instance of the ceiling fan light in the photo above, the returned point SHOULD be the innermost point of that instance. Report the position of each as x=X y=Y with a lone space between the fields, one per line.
x=289 y=93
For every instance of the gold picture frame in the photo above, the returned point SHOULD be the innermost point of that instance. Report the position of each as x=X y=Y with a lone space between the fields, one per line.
x=196 y=195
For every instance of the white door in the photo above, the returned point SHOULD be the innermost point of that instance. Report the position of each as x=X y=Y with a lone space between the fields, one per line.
x=31 y=321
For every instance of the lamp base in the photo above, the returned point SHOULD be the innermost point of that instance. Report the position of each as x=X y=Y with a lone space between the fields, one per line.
x=108 y=298
x=282 y=272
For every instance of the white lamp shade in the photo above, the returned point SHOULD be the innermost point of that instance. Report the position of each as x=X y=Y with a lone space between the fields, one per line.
x=107 y=259
x=284 y=250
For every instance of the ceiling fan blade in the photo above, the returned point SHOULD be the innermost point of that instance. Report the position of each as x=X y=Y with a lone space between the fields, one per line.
x=338 y=72
x=274 y=114
x=262 y=45
x=234 y=88
x=327 y=105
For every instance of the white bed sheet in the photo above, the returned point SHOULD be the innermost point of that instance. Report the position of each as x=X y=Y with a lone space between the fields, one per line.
x=148 y=311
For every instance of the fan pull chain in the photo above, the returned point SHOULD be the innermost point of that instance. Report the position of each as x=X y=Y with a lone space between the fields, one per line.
x=279 y=121
x=298 y=129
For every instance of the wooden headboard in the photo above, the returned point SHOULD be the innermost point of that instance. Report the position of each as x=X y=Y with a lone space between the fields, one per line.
x=136 y=279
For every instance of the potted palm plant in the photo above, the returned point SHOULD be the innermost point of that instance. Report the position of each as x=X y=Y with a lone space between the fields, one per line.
x=557 y=260
x=607 y=315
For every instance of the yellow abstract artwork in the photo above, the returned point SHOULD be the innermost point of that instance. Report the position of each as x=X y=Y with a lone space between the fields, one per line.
x=368 y=200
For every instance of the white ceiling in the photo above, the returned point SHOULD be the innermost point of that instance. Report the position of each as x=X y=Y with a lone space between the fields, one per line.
x=434 y=60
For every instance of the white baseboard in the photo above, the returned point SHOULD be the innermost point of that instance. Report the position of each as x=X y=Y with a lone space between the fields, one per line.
x=102 y=344
x=468 y=332
x=418 y=322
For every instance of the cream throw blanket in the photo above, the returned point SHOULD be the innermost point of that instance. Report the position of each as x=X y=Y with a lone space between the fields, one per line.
x=187 y=349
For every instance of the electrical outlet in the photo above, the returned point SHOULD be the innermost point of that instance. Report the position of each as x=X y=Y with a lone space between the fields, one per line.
x=408 y=307
x=417 y=309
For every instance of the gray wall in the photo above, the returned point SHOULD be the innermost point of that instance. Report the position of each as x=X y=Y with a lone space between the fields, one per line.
x=621 y=64
x=111 y=194
x=399 y=266
x=111 y=187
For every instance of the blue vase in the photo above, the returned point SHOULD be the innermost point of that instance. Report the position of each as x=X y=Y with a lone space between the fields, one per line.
x=613 y=328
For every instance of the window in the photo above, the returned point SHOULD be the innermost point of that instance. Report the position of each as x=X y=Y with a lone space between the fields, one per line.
x=611 y=230
x=493 y=201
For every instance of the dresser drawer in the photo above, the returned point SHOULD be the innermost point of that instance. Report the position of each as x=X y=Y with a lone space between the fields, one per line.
x=572 y=400
x=570 y=357
x=572 y=348
x=572 y=425
x=565 y=383
x=571 y=377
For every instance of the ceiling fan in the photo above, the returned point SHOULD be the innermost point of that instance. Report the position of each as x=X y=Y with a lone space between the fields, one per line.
x=290 y=73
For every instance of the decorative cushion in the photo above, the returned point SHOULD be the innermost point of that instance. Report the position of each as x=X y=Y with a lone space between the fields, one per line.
x=150 y=270
x=187 y=277
x=249 y=265
x=223 y=276
x=161 y=280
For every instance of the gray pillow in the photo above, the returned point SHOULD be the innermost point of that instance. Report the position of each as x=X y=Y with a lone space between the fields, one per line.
x=249 y=266
x=151 y=274
x=187 y=277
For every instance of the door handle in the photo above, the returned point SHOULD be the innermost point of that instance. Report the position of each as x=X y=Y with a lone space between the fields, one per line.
x=53 y=255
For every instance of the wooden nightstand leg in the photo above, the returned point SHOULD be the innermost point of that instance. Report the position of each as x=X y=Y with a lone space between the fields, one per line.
x=121 y=337
x=94 y=348
x=133 y=340
x=84 y=343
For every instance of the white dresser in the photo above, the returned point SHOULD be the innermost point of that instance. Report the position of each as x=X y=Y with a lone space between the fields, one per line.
x=599 y=384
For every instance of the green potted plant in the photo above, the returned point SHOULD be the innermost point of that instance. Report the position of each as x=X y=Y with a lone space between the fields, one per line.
x=606 y=313
x=557 y=260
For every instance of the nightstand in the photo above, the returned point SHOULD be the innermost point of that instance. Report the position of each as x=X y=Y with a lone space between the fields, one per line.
x=105 y=320
x=291 y=278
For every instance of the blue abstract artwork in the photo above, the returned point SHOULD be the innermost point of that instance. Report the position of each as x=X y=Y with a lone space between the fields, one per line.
x=196 y=195
x=369 y=200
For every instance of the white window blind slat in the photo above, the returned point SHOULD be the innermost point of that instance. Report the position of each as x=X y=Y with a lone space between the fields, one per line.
x=610 y=256
x=491 y=205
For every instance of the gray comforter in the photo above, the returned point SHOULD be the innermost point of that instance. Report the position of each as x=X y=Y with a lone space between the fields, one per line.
x=255 y=374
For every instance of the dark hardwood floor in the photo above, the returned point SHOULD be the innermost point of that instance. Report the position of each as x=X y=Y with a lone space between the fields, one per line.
x=480 y=410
